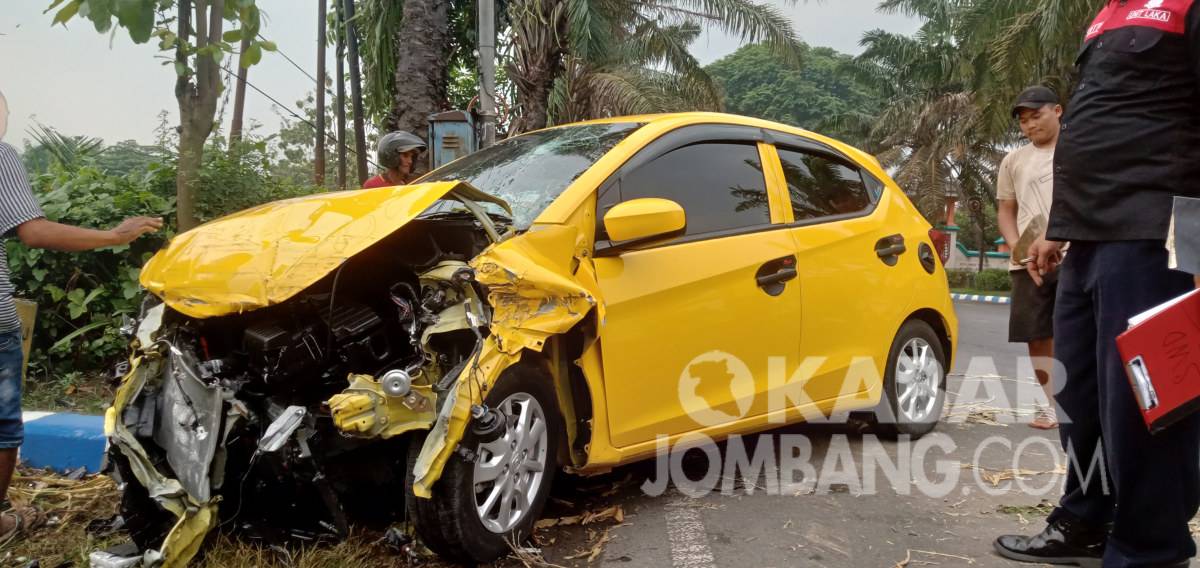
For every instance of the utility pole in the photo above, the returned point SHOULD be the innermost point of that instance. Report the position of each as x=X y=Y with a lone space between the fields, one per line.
x=340 y=111
x=487 y=70
x=319 y=159
x=360 y=141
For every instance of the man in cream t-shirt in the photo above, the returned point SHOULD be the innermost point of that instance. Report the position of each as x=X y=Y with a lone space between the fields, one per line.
x=1024 y=190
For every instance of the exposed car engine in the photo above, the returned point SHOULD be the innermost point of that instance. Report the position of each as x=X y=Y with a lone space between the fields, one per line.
x=240 y=409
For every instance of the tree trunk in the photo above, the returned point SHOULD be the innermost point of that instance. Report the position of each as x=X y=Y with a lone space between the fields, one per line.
x=197 y=95
x=319 y=158
x=360 y=144
x=539 y=30
x=982 y=243
x=422 y=44
x=340 y=102
x=239 y=97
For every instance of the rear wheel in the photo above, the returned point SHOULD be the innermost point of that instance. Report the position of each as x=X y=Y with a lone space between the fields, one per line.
x=914 y=384
x=482 y=505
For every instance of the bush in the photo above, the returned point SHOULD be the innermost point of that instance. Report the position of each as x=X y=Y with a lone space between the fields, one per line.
x=993 y=280
x=233 y=181
x=960 y=278
x=82 y=297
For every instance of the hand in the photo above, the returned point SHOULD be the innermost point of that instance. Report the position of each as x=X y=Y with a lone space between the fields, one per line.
x=132 y=228
x=1044 y=258
x=1197 y=281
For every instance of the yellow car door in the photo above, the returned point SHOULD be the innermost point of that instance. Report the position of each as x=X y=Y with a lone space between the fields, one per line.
x=854 y=268
x=692 y=321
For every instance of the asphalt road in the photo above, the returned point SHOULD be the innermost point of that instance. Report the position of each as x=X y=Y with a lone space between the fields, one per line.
x=865 y=501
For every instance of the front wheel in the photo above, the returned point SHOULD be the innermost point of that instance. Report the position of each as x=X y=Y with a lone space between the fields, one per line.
x=914 y=384
x=490 y=498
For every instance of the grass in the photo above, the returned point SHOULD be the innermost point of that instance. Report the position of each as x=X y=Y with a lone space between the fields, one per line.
x=358 y=551
x=69 y=506
x=1040 y=510
x=73 y=508
x=72 y=392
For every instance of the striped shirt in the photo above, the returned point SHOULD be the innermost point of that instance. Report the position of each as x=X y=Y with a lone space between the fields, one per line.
x=17 y=205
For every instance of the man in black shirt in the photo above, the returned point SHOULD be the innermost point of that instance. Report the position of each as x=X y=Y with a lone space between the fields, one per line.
x=1130 y=141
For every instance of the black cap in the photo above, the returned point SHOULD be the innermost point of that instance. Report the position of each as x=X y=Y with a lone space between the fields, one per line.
x=1034 y=98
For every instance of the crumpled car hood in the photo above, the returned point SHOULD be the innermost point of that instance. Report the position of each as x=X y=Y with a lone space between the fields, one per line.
x=264 y=255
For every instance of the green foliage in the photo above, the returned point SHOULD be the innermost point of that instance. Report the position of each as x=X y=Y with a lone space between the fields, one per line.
x=990 y=280
x=146 y=19
x=960 y=278
x=993 y=280
x=969 y=235
x=67 y=151
x=292 y=149
x=757 y=82
x=232 y=181
x=127 y=156
x=82 y=297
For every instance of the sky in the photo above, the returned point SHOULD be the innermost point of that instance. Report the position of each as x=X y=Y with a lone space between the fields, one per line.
x=84 y=83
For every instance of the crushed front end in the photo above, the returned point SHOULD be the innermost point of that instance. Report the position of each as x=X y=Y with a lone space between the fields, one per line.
x=287 y=420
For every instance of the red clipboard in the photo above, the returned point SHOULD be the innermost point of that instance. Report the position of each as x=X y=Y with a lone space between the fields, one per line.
x=1161 y=352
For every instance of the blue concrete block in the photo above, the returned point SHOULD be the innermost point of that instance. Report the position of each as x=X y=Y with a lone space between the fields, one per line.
x=64 y=442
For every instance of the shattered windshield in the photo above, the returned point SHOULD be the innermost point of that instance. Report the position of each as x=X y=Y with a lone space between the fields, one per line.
x=531 y=171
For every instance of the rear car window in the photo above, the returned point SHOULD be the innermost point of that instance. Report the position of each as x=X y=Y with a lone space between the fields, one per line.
x=820 y=186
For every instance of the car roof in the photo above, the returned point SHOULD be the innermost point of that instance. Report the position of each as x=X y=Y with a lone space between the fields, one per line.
x=685 y=118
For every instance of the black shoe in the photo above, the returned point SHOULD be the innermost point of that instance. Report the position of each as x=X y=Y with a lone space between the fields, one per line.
x=1063 y=541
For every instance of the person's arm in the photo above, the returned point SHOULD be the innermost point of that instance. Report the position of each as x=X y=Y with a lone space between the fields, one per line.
x=45 y=234
x=21 y=214
x=1006 y=208
x=1006 y=219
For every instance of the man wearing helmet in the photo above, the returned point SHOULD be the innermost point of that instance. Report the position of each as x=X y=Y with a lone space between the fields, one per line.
x=397 y=153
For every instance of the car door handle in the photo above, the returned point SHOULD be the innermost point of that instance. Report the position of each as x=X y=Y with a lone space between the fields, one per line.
x=778 y=277
x=773 y=275
x=890 y=247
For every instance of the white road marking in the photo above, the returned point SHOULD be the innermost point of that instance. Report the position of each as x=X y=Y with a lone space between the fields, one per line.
x=31 y=415
x=689 y=538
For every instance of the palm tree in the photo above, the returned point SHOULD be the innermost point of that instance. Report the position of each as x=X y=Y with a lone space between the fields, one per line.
x=69 y=152
x=931 y=133
x=951 y=87
x=408 y=48
x=576 y=59
x=1011 y=44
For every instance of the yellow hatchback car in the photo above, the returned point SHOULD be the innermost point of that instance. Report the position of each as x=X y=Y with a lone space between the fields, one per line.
x=574 y=299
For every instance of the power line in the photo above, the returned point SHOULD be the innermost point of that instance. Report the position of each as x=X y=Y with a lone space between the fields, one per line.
x=298 y=117
x=321 y=84
x=289 y=60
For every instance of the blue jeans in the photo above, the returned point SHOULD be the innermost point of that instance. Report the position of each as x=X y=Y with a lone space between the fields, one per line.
x=12 y=429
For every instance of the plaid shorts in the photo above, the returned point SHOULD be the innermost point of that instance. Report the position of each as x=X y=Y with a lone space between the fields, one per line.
x=12 y=429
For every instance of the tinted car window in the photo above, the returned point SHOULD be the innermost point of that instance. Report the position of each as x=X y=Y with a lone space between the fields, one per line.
x=531 y=171
x=719 y=186
x=820 y=186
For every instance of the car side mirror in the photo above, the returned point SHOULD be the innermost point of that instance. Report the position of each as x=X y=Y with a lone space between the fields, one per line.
x=642 y=219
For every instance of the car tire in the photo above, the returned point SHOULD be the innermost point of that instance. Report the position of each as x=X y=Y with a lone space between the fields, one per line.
x=450 y=522
x=914 y=383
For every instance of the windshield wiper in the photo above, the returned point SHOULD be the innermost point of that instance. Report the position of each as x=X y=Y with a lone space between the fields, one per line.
x=464 y=213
